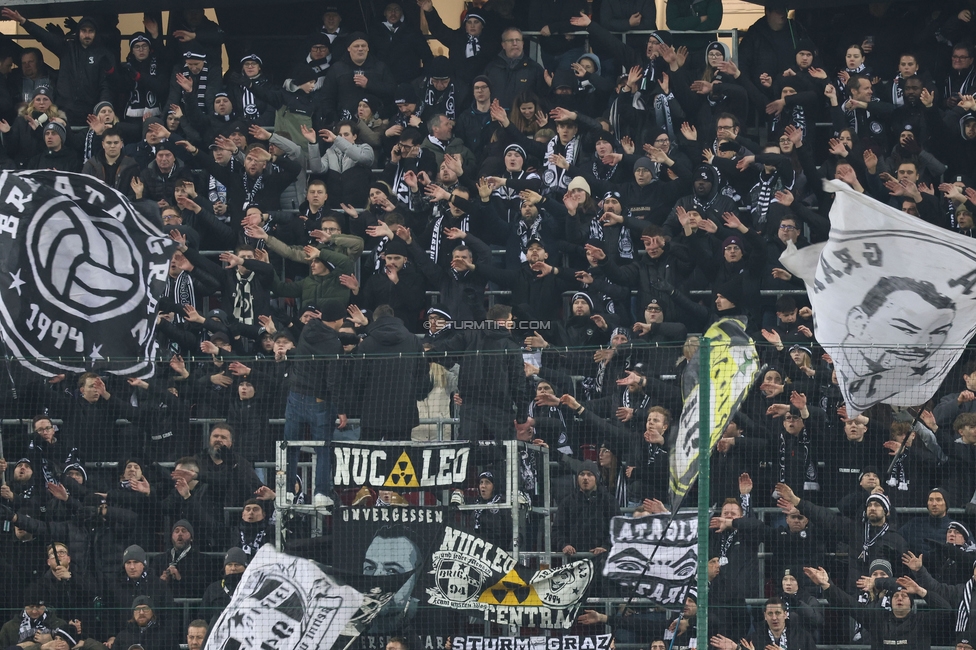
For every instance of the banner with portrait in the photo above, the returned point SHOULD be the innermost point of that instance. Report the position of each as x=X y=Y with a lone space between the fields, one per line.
x=893 y=299
x=385 y=552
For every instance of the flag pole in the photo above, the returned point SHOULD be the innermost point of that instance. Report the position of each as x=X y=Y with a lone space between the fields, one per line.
x=704 y=483
x=704 y=383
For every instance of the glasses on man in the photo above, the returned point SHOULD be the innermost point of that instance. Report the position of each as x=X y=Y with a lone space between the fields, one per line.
x=332 y=231
x=787 y=227
x=61 y=553
x=724 y=127
x=44 y=429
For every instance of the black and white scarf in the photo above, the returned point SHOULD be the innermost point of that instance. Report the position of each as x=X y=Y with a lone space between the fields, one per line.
x=251 y=187
x=252 y=536
x=781 y=641
x=432 y=98
x=809 y=467
x=557 y=178
x=259 y=243
x=965 y=606
x=870 y=541
x=181 y=291
x=898 y=477
x=527 y=232
x=841 y=85
x=602 y=172
x=898 y=91
x=472 y=47
x=727 y=540
x=249 y=103
x=200 y=84
x=174 y=558
x=662 y=113
x=31 y=626
x=620 y=490
x=477 y=513
x=437 y=235
x=244 y=300
x=510 y=196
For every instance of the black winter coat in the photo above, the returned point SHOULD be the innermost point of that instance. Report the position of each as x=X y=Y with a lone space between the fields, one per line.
x=83 y=76
x=583 y=520
x=390 y=386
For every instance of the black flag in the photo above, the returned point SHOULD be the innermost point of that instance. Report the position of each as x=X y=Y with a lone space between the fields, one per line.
x=80 y=273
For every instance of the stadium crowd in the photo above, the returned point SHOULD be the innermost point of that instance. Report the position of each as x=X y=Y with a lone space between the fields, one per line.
x=619 y=172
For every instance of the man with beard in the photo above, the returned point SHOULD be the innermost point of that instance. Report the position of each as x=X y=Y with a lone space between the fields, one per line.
x=399 y=285
x=872 y=541
x=706 y=200
x=232 y=479
x=183 y=567
x=83 y=78
x=536 y=285
x=145 y=629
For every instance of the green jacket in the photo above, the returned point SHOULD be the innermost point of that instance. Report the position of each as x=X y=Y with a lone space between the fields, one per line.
x=683 y=15
x=349 y=245
x=454 y=147
x=317 y=290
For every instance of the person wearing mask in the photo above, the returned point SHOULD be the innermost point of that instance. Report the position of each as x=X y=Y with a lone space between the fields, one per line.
x=218 y=594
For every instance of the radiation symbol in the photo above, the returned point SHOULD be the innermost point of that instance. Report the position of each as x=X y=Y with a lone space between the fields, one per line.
x=403 y=474
x=510 y=590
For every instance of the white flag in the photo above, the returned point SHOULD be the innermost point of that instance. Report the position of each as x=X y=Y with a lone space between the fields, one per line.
x=892 y=299
x=284 y=603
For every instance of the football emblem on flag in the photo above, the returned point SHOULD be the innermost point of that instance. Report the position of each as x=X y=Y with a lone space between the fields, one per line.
x=81 y=271
x=88 y=271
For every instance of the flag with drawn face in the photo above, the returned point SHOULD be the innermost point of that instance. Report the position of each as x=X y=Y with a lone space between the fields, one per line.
x=653 y=557
x=893 y=300
x=80 y=273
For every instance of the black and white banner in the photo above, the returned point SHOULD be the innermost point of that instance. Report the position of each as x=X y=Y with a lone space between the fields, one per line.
x=593 y=642
x=893 y=299
x=473 y=575
x=657 y=561
x=80 y=273
x=399 y=466
x=386 y=550
x=286 y=603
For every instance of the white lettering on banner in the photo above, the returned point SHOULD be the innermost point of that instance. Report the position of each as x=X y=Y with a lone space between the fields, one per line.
x=595 y=642
x=396 y=515
x=387 y=467
x=284 y=603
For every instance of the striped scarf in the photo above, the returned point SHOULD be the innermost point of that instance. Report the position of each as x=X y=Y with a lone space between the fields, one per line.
x=965 y=603
x=201 y=85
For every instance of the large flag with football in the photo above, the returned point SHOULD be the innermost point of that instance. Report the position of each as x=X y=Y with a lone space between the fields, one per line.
x=733 y=365
x=892 y=298
x=80 y=273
